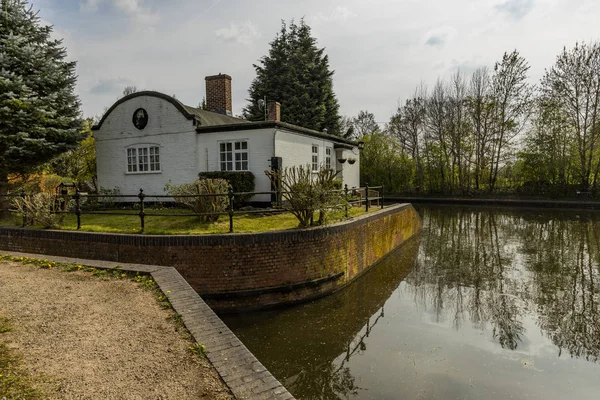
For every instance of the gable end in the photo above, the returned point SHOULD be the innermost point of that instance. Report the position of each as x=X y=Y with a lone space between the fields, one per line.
x=180 y=107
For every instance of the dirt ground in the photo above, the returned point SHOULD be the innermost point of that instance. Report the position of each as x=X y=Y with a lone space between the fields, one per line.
x=84 y=337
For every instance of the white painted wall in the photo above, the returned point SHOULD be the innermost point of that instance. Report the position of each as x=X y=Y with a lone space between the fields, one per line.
x=260 y=150
x=296 y=149
x=167 y=128
x=350 y=172
x=184 y=153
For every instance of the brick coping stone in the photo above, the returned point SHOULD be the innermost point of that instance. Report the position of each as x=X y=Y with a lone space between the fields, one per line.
x=243 y=374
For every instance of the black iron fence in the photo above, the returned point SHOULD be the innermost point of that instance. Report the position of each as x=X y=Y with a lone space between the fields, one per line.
x=78 y=203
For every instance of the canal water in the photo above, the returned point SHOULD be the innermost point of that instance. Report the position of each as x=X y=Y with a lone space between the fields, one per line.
x=486 y=303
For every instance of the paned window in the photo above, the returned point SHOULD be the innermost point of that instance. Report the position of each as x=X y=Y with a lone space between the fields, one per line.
x=315 y=158
x=328 y=157
x=143 y=159
x=233 y=156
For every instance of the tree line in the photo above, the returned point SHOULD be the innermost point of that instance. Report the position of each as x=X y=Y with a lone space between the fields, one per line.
x=494 y=131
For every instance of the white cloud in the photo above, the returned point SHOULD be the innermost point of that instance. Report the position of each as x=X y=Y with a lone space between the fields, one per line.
x=244 y=33
x=134 y=9
x=337 y=14
x=90 y=5
x=111 y=85
x=129 y=6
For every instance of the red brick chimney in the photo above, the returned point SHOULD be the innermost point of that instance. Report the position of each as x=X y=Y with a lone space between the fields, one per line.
x=218 y=93
x=274 y=111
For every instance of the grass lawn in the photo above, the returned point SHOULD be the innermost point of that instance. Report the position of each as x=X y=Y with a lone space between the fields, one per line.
x=171 y=225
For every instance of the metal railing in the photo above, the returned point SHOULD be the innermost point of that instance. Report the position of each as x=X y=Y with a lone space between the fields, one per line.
x=349 y=196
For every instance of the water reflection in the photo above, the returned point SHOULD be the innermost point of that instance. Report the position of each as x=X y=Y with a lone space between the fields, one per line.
x=309 y=346
x=467 y=271
x=482 y=305
x=494 y=267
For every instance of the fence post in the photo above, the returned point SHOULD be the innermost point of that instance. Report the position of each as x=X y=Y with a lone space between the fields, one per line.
x=230 y=195
x=367 y=196
x=346 y=202
x=78 y=207
x=24 y=209
x=142 y=213
x=382 y=198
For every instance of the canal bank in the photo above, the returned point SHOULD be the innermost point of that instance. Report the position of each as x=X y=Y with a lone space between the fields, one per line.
x=526 y=203
x=238 y=272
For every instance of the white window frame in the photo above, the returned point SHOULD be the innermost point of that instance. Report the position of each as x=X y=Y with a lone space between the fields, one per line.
x=143 y=159
x=328 y=153
x=240 y=154
x=315 y=158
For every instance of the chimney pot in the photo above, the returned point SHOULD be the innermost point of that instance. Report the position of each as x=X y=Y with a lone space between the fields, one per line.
x=274 y=111
x=218 y=93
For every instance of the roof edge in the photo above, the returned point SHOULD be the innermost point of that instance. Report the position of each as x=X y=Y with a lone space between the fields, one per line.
x=178 y=105
x=274 y=124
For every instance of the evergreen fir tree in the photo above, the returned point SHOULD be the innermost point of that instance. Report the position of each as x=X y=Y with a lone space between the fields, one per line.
x=296 y=74
x=39 y=112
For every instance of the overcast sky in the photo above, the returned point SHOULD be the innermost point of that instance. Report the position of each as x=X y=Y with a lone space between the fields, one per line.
x=379 y=49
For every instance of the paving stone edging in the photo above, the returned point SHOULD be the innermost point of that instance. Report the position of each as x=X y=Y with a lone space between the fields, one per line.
x=245 y=376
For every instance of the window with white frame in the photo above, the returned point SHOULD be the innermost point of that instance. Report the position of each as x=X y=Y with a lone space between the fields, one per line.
x=328 y=152
x=233 y=156
x=315 y=158
x=143 y=159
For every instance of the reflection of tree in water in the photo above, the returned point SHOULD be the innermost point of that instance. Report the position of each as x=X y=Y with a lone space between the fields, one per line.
x=564 y=256
x=492 y=268
x=465 y=270
x=329 y=381
x=311 y=347
x=324 y=381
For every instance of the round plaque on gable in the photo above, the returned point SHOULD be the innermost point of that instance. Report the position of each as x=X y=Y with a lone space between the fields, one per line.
x=140 y=118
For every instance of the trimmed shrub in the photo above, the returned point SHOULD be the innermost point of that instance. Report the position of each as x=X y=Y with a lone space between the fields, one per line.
x=240 y=181
x=200 y=205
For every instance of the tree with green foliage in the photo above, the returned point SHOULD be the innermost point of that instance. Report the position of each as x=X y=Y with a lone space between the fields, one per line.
x=296 y=74
x=384 y=162
x=513 y=97
x=39 y=111
x=79 y=164
x=573 y=84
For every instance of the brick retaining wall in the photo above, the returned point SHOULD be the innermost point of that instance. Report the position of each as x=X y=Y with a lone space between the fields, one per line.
x=243 y=271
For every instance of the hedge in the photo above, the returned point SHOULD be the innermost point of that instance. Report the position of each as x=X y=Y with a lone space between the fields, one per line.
x=240 y=181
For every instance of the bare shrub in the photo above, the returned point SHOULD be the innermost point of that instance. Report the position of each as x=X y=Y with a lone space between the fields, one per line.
x=201 y=204
x=41 y=208
x=304 y=192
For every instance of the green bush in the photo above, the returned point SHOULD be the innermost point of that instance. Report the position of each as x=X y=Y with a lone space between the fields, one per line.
x=240 y=181
x=200 y=205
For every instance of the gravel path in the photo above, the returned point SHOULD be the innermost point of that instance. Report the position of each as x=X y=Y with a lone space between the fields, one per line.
x=84 y=337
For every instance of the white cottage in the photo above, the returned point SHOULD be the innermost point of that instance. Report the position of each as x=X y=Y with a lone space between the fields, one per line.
x=148 y=139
